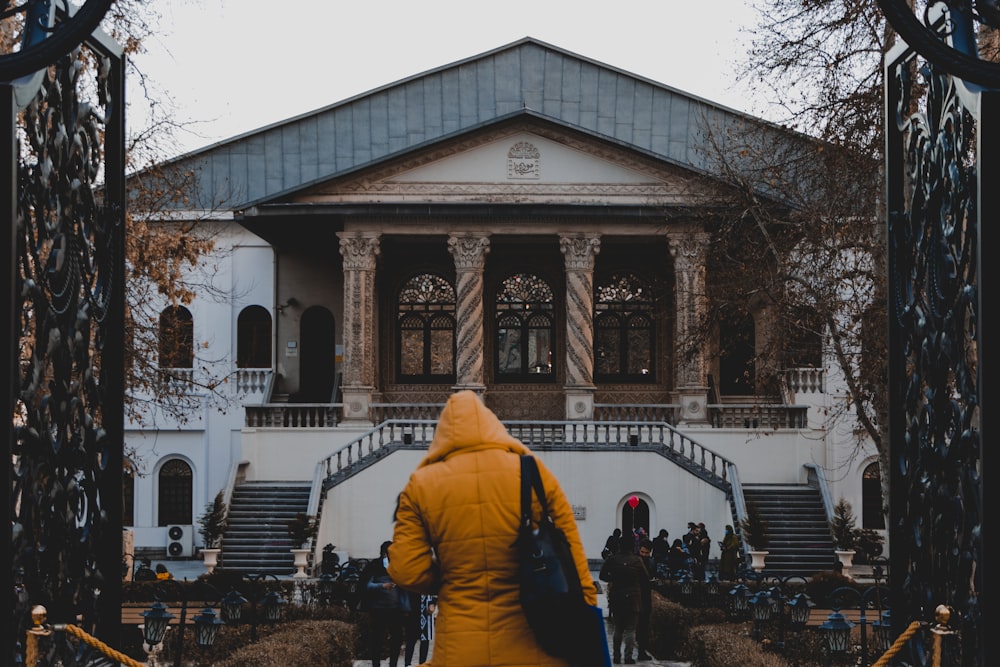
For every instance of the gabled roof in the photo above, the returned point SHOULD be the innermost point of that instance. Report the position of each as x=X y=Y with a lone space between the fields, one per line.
x=524 y=78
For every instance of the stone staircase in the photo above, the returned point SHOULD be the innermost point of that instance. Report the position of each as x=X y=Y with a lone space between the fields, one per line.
x=800 y=542
x=257 y=541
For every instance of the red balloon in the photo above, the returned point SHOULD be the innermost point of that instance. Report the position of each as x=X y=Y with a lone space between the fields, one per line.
x=633 y=501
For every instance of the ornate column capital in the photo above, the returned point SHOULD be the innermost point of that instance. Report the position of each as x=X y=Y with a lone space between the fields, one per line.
x=469 y=251
x=689 y=249
x=580 y=251
x=359 y=250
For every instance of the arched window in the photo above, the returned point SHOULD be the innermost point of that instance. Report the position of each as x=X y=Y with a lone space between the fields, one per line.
x=624 y=335
x=425 y=330
x=176 y=338
x=871 y=498
x=253 y=338
x=736 y=365
x=175 y=488
x=525 y=321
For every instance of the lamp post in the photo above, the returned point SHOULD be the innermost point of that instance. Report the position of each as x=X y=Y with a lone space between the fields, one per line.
x=157 y=618
x=270 y=603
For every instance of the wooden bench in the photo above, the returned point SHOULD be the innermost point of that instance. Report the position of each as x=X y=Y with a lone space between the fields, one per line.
x=817 y=617
x=132 y=613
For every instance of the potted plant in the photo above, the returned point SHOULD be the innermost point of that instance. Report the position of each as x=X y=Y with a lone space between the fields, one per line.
x=844 y=529
x=213 y=524
x=301 y=530
x=754 y=530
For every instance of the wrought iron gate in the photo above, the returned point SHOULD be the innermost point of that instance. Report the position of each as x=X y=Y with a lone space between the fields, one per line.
x=941 y=159
x=63 y=196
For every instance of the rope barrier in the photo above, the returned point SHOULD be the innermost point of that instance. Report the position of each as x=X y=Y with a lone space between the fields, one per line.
x=897 y=645
x=38 y=615
x=110 y=652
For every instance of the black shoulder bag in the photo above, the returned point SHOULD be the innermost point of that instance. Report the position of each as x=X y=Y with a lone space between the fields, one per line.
x=564 y=625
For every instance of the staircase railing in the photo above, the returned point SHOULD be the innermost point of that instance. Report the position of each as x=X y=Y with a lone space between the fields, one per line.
x=658 y=437
x=818 y=479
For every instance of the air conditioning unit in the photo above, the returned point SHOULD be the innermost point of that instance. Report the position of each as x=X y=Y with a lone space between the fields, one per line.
x=180 y=541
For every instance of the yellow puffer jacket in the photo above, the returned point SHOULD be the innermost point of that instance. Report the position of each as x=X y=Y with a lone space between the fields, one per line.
x=463 y=505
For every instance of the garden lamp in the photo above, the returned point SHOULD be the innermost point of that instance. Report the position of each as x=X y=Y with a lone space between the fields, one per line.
x=882 y=630
x=155 y=622
x=206 y=627
x=836 y=632
x=738 y=600
x=232 y=607
x=799 y=607
x=271 y=604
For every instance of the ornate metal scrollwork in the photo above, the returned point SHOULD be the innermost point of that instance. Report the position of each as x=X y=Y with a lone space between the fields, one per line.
x=66 y=445
x=44 y=39
x=959 y=55
x=934 y=222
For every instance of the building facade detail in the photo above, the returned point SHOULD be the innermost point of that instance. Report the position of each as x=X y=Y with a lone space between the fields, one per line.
x=469 y=253
x=580 y=254
x=689 y=250
x=360 y=252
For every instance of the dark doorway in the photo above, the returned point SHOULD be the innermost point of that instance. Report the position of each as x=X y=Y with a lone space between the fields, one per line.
x=635 y=518
x=317 y=360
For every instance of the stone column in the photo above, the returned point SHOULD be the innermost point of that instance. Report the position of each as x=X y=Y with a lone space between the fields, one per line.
x=469 y=252
x=580 y=253
x=689 y=250
x=360 y=251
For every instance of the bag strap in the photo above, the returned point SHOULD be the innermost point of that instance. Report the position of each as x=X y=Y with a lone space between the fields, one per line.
x=531 y=479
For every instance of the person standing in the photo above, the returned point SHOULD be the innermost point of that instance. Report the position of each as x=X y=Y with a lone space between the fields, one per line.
x=661 y=548
x=625 y=573
x=730 y=546
x=420 y=628
x=611 y=544
x=456 y=534
x=646 y=588
x=387 y=604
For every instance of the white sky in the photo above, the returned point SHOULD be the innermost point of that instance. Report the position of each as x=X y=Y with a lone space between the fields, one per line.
x=235 y=65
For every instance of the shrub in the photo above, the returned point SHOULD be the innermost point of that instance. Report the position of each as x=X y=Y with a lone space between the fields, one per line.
x=669 y=623
x=844 y=526
x=302 y=528
x=328 y=643
x=754 y=529
x=823 y=583
x=724 y=646
x=214 y=522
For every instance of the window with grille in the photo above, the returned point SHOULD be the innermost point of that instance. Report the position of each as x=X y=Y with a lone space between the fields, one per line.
x=175 y=488
x=624 y=331
x=525 y=330
x=425 y=330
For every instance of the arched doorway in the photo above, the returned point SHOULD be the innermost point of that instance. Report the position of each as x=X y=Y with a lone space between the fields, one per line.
x=317 y=360
x=637 y=517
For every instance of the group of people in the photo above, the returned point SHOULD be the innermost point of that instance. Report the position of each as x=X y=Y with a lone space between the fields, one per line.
x=688 y=554
x=396 y=612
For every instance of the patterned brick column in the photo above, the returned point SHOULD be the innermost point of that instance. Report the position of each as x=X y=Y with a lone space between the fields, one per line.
x=360 y=251
x=689 y=250
x=580 y=253
x=469 y=252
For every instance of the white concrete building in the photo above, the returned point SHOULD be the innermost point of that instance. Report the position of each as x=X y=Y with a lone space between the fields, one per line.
x=527 y=223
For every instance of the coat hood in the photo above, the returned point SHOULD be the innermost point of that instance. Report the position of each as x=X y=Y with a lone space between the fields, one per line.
x=467 y=423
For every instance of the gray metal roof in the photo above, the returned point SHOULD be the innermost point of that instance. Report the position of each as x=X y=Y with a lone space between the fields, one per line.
x=526 y=77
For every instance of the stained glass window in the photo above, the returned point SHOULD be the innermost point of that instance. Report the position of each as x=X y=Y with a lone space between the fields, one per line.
x=624 y=331
x=525 y=329
x=425 y=325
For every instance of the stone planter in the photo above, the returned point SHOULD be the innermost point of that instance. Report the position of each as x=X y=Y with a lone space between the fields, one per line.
x=301 y=562
x=211 y=559
x=757 y=559
x=846 y=558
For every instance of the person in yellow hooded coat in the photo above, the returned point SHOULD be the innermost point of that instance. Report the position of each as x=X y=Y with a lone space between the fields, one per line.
x=455 y=535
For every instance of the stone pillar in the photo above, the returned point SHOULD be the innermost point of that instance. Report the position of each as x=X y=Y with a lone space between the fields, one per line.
x=359 y=251
x=469 y=252
x=580 y=253
x=689 y=250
